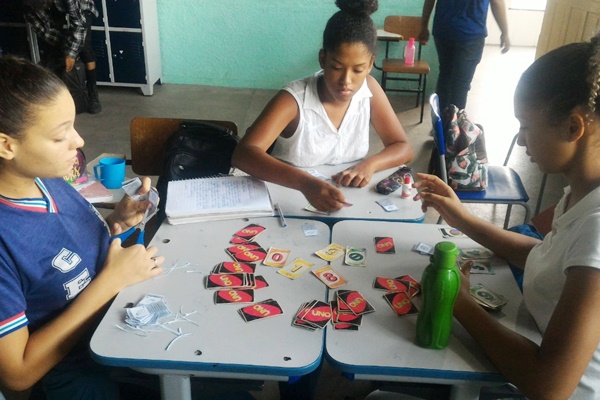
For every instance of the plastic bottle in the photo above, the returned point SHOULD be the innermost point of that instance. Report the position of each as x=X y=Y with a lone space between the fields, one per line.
x=439 y=285
x=409 y=52
x=406 y=186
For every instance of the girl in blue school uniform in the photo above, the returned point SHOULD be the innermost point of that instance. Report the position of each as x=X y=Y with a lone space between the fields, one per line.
x=325 y=118
x=557 y=103
x=58 y=269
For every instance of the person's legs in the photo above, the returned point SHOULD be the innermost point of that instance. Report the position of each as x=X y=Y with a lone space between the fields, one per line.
x=90 y=382
x=445 y=58
x=88 y=56
x=465 y=58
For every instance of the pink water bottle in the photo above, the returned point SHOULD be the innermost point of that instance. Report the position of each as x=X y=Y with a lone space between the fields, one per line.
x=409 y=52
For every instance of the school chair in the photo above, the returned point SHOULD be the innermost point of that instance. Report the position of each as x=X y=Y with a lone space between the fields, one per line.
x=406 y=27
x=504 y=184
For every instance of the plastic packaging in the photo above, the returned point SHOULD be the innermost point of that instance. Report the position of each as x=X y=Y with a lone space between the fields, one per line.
x=409 y=52
x=439 y=285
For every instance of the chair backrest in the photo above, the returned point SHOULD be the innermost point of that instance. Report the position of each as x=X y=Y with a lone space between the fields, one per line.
x=407 y=27
x=438 y=134
x=149 y=138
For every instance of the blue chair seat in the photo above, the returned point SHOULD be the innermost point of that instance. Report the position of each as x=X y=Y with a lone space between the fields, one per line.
x=504 y=186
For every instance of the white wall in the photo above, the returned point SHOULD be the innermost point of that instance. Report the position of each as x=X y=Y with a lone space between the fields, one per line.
x=524 y=22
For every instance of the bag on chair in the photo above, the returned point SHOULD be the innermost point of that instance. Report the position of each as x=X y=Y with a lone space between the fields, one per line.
x=196 y=150
x=466 y=156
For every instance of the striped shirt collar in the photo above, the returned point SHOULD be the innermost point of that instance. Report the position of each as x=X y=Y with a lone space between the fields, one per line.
x=44 y=204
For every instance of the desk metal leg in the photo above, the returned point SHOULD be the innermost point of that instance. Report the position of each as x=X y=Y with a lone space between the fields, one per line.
x=465 y=392
x=175 y=387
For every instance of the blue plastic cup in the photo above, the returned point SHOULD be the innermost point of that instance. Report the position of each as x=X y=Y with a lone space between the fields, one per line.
x=110 y=171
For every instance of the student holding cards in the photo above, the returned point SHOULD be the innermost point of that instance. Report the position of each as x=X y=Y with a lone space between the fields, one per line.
x=557 y=103
x=58 y=269
x=325 y=118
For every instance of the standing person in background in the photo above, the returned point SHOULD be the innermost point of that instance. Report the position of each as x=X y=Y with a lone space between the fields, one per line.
x=47 y=18
x=459 y=32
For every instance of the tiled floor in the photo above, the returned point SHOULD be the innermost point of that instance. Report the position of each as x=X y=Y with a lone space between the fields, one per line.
x=490 y=103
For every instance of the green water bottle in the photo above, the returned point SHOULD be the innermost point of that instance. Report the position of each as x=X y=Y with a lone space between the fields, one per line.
x=439 y=286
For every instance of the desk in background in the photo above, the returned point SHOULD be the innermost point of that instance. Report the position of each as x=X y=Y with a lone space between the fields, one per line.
x=223 y=345
x=364 y=207
x=388 y=352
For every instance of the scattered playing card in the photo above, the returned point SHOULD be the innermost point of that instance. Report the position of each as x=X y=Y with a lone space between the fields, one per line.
x=391 y=284
x=423 y=249
x=356 y=256
x=388 y=205
x=264 y=309
x=331 y=252
x=310 y=229
x=355 y=301
x=229 y=267
x=250 y=232
x=400 y=303
x=295 y=268
x=310 y=208
x=384 y=245
x=450 y=232
x=234 y=296
x=479 y=267
x=276 y=257
x=330 y=277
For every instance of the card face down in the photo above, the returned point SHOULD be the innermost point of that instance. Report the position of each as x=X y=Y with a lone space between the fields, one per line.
x=234 y=296
x=264 y=309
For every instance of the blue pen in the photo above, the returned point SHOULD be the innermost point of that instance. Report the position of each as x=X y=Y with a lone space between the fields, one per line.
x=280 y=215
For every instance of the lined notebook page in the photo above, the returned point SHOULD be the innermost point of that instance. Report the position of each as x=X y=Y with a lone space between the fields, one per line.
x=204 y=196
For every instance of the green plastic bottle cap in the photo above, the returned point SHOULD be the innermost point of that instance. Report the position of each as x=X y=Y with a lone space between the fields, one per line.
x=445 y=254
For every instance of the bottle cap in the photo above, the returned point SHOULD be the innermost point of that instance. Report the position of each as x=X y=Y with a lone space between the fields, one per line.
x=445 y=254
x=411 y=40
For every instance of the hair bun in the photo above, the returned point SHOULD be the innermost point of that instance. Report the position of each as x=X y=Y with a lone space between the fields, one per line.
x=358 y=7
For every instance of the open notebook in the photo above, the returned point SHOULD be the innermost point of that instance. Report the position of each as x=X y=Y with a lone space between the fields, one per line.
x=209 y=199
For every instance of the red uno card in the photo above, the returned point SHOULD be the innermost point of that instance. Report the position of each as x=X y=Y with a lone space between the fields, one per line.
x=356 y=302
x=249 y=232
x=264 y=309
x=415 y=286
x=391 y=284
x=221 y=281
x=260 y=282
x=234 y=296
x=249 y=256
x=401 y=303
x=385 y=245
x=239 y=248
x=318 y=313
x=229 y=267
x=345 y=327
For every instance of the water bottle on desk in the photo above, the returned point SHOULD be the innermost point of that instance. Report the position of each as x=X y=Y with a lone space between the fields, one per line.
x=409 y=52
x=439 y=286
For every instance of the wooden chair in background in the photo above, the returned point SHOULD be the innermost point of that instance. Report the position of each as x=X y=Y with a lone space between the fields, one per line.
x=406 y=27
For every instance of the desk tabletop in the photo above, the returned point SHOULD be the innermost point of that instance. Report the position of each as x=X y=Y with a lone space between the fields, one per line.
x=363 y=200
x=390 y=353
x=384 y=35
x=222 y=344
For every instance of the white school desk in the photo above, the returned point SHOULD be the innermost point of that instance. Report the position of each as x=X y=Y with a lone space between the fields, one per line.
x=386 y=341
x=364 y=207
x=223 y=345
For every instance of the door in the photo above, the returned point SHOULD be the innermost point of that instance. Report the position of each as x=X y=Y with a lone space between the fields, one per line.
x=568 y=21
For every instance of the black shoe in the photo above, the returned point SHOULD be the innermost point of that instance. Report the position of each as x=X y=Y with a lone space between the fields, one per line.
x=94 y=106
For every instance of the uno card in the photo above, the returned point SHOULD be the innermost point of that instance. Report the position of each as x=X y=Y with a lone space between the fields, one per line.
x=295 y=268
x=315 y=314
x=477 y=253
x=347 y=317
x=330 y=277
x=276 y=257
x=234 y=296
x=356 y=256
x=479 y=267
x=331 y=252
x=385 y=245
x=487 y=298
x=249 y=233
x=356 y=302
x=344 y=327
x=264 y=309
x=423 y=249
x=391 y=284
x=400 y=303
x=226 y=281
x=228 y=267
x=260 y=282
x=253 y=253
x=450 y=232
x=415 y=286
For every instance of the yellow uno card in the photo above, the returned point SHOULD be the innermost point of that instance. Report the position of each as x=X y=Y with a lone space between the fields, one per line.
x=295 y=268
x=276 y=257
x=331 y=252
x=330 y=277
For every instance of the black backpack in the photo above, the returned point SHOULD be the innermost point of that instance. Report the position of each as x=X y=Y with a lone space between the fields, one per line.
x=74 y=79
x=195 y=150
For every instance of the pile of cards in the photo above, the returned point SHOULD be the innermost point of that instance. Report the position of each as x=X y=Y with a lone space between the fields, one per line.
x=400 y=291
x=313 y=315
x=480 y=260
x=261 y=310
x=235 y=282
x=247 y=252
x=347 y=309
x=487 y=298
x=147 y=311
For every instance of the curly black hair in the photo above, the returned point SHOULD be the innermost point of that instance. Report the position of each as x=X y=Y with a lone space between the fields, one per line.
x=352 y=24
x=564 y=78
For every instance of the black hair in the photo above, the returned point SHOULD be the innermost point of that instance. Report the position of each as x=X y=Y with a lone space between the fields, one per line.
x=352 y=24
x=23 y=86
x=563 y=79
